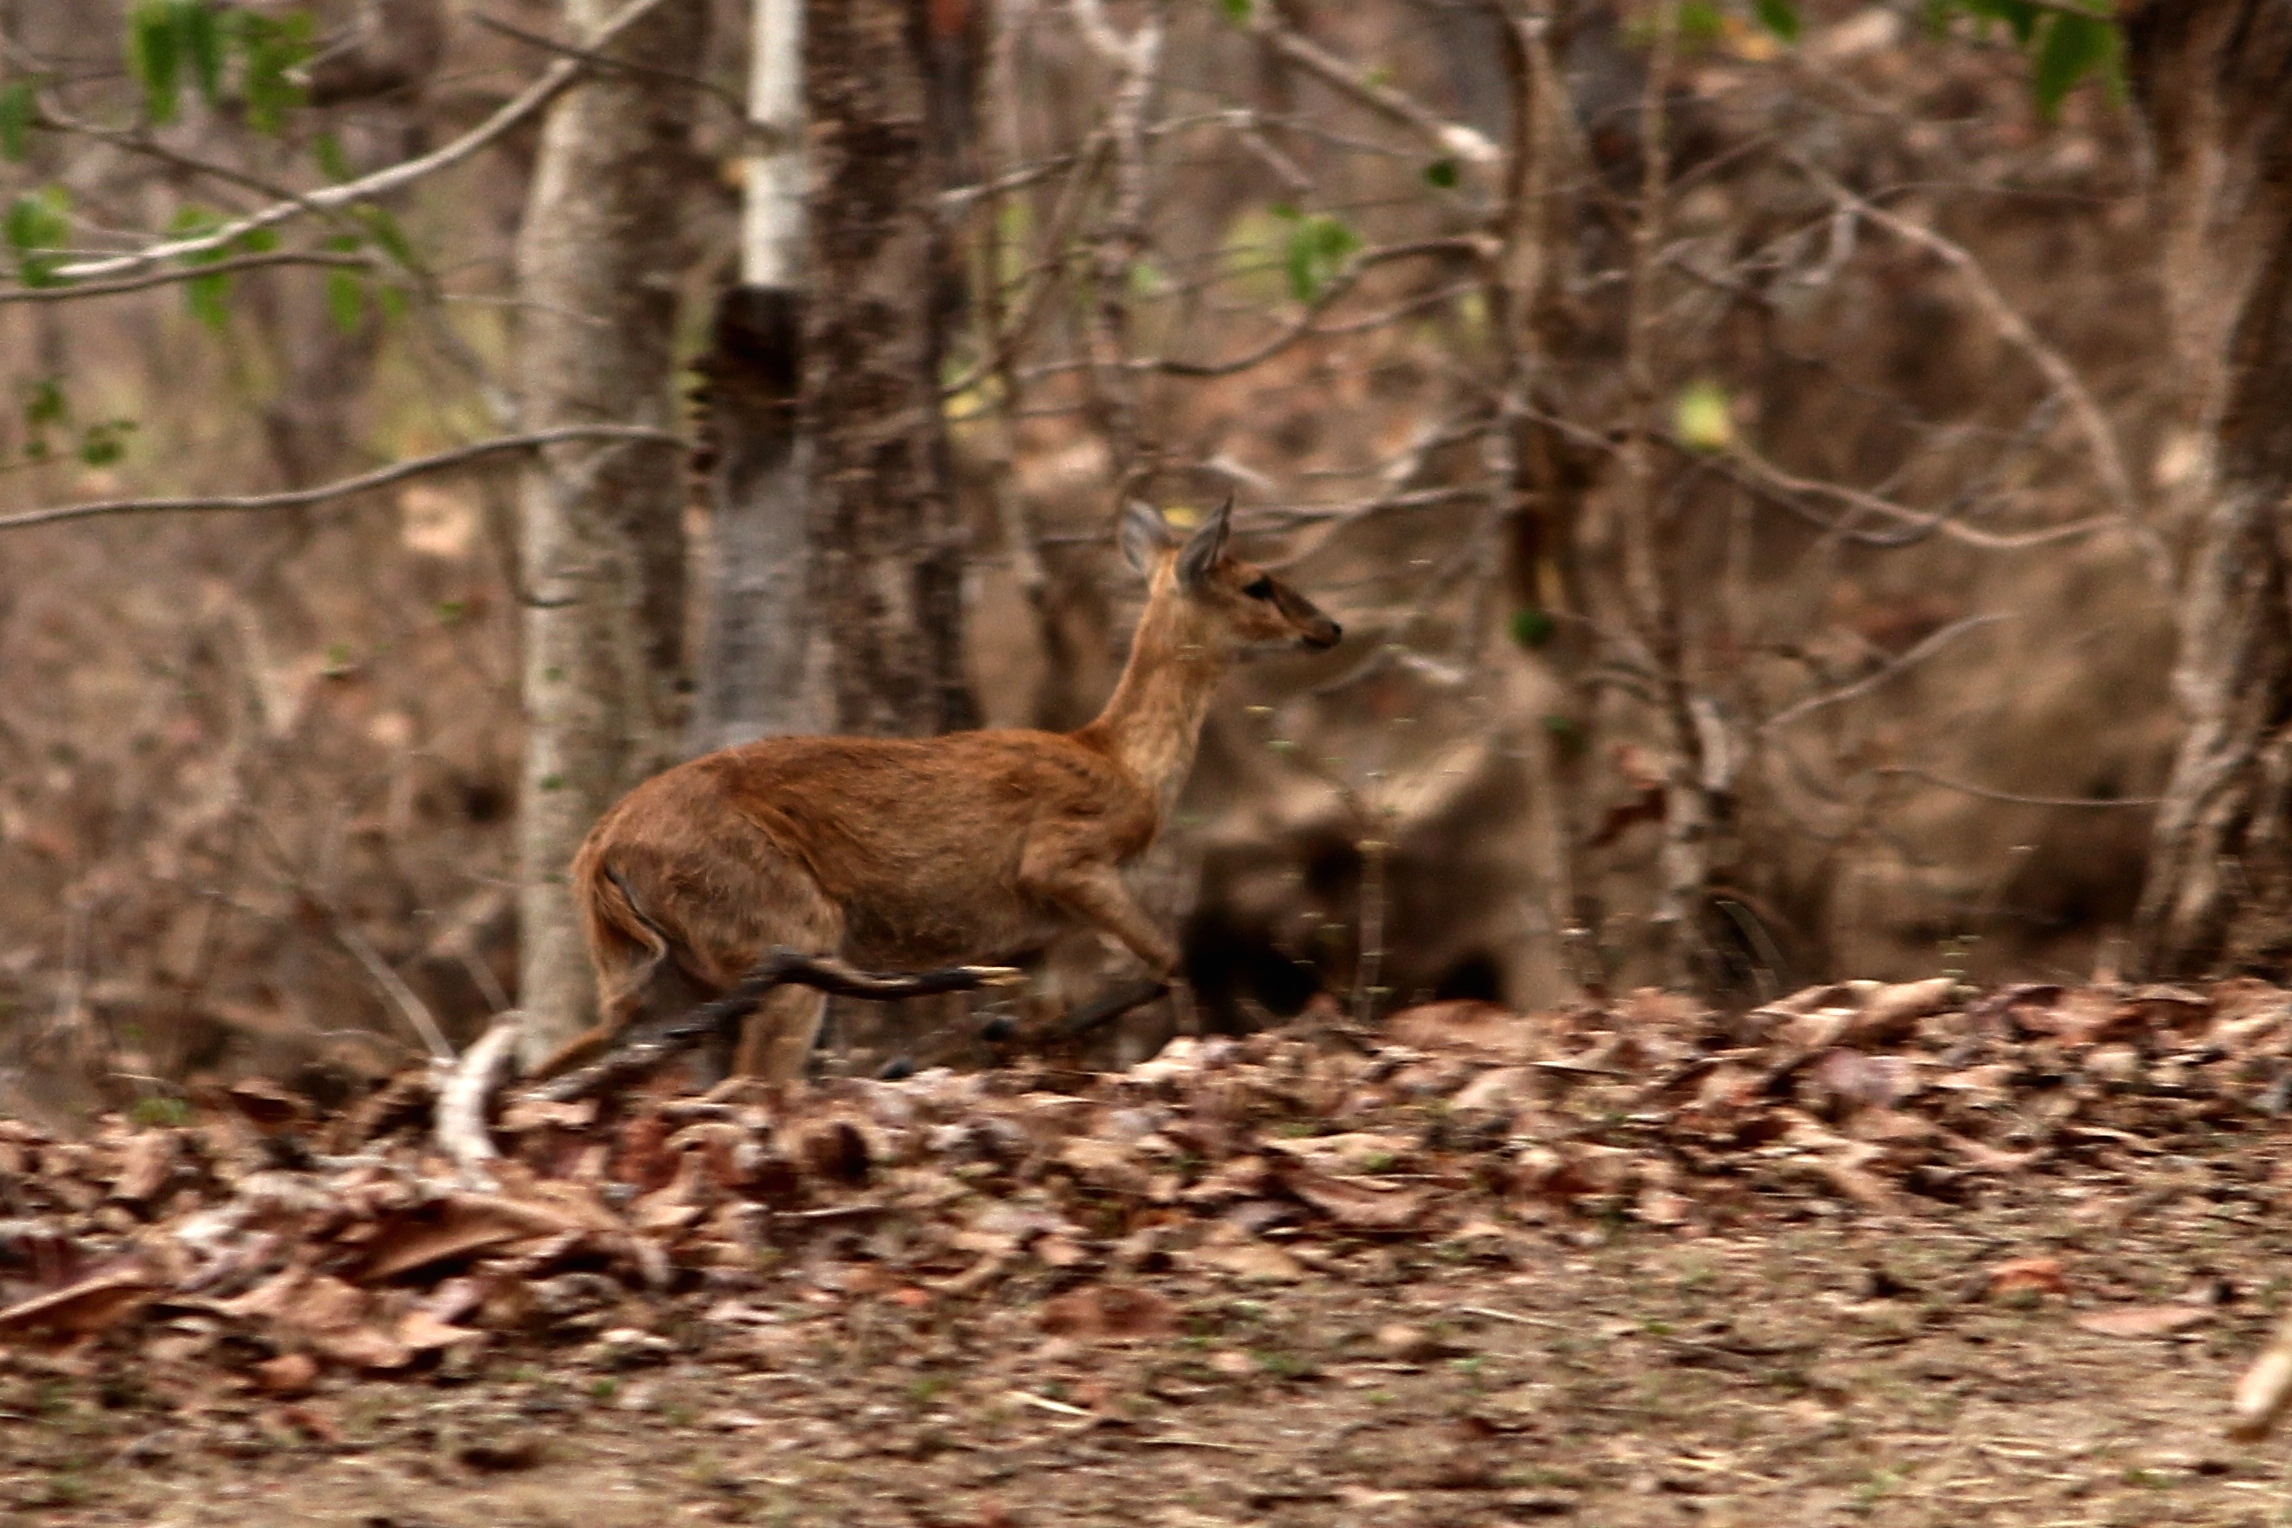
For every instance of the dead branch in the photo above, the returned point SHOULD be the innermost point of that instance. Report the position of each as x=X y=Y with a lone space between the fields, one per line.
x=2100 y=436
x=517 y=109
x=1467 y=144
x=2011 y=798
x=1863 y=686
x=1755 y=471
x=365 y=482
x=1303 y=327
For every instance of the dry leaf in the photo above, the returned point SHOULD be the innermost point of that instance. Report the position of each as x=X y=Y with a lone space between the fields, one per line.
x=2043 y=1274
x=1259 y=1262
x=94 y=1304
x=2143 y=1320
x=1363 y=1204
x=1098 y=1312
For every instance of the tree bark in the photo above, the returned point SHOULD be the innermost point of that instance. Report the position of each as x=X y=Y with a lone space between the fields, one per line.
x=602 y=541
x=757 y=674
x=886 y=543
x=2213 y=81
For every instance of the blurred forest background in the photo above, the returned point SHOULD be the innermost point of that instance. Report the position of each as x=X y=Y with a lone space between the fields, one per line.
x=1767 y=458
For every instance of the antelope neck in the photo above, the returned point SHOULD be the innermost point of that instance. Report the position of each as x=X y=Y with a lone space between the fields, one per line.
x=1153 y=721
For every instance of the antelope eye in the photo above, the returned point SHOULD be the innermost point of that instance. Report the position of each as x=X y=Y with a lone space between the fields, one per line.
x=1259 y=588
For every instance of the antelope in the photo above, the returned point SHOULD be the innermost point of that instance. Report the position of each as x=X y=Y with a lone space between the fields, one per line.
x=711 y=888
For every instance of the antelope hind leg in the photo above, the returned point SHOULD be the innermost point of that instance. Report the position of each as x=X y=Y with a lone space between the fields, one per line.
x=776 y=1041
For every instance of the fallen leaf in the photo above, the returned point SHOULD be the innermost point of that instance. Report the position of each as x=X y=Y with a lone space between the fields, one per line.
x=1259 y=1262
x=1363 y=1204
x=2143 y=1320
x=94 y=1304
x=2043 y=1274
x=1116 y=1312
x=288 y=1374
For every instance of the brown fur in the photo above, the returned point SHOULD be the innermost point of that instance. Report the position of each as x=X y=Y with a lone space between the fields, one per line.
x=898 y=854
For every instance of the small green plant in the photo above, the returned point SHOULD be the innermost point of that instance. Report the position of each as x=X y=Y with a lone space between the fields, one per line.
x=159 y=1112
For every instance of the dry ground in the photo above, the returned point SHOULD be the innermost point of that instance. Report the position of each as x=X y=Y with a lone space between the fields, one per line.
x=1833 y=1367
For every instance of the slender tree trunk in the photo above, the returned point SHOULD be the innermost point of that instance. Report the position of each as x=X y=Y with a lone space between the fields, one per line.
x=886 y=545
x=603 y=552
x=2213 y=80
x=758 y=671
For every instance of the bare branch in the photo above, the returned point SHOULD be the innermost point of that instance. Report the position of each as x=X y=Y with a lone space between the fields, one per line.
x=1303 y=327
x=1939 y=522
x=2100 y=436
x=381 y=477
x=183 y=273
x=1863 y=686
x=2012 y=798
x=1467 y=144
x=366 y=187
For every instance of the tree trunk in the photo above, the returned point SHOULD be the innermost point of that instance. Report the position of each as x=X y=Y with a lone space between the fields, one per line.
x=2213 y=80
x=603 y=552
x=756 y=676
x=886 y=544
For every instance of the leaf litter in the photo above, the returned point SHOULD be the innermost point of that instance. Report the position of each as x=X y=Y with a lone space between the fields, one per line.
x=265 y=1244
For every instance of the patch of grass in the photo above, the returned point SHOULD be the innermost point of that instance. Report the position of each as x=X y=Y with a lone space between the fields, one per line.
x=603 y=1389
x=926 y=1388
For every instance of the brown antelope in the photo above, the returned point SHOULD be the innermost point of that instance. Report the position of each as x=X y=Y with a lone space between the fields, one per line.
x=716 y=879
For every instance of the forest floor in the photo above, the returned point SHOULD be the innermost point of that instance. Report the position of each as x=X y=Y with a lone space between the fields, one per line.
x=2047 y=1341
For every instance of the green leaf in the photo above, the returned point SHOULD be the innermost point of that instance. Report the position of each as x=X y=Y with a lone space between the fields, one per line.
x=103 y=444
x=2020 y=16
x=1318 y=247
x=15 y=118
x=1533 y=628
x=1700 y=21
x=345 y=300
x=43 y=403
x=2073 y=47
x=1237 y=11
x=33 y=225
x=1780 y=17
x=1441 y=173
x=209 y=300
x=200 y=33
x=270 y=47
x=327 y=150
x=388 y=235
x=155 y=56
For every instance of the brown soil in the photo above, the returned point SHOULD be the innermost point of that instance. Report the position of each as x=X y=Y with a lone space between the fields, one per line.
x=1836 y=1368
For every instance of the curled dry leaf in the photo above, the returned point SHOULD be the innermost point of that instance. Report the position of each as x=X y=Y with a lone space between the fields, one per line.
x=94 y=1304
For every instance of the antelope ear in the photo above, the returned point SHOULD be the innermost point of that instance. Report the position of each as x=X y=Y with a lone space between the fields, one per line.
x=1145 y=535
x=1205 y=546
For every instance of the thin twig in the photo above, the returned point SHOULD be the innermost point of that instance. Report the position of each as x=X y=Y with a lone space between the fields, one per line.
x=2100 y=436
x=408 y=1002
x=1467 y=144
x=184 y=273
x=1863 y=686
x=347 y=193
x=2012 y=798
x=381 y=477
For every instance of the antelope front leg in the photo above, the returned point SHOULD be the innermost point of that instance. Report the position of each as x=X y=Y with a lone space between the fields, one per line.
x=1098 y=897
